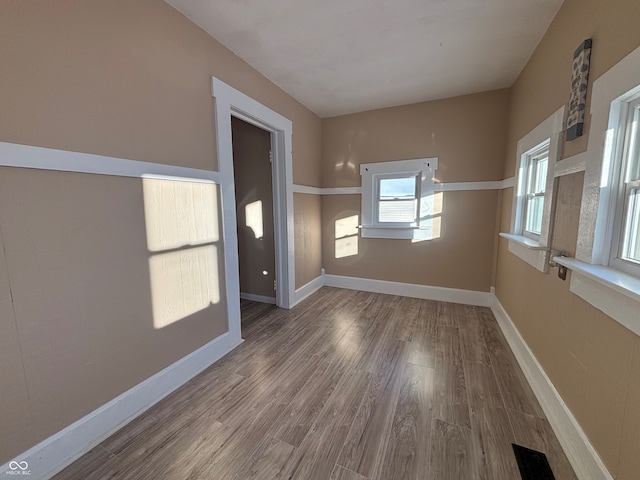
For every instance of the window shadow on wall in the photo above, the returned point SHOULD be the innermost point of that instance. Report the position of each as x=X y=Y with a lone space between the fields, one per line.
x=182 y=228
x=346 y=236
x=431 y=211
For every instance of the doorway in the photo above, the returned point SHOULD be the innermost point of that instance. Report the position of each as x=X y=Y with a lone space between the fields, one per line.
x=230 y=102
x=253 y=178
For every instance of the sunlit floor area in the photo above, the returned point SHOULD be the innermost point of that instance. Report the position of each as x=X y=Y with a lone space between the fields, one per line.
x=346 y=386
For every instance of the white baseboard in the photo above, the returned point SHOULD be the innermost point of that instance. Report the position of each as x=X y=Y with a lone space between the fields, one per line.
x=442 y=294
x=58 y=451
x=308 y=289
x=583 y=457
x=258 y=298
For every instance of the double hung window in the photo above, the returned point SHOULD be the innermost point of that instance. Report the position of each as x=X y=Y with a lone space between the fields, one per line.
x=626 y=242
x=606 y=267
x=533 y=204
x=536 y=170
x=398 y=199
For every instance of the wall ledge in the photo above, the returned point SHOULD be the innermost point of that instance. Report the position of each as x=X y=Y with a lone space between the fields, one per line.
x=61 y=449
x=581 y=454
x=528 y=251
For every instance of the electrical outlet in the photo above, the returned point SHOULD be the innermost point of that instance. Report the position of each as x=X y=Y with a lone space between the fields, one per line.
x=562 y=272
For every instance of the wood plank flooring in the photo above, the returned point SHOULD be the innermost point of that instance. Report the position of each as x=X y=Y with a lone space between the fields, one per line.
x=347 y=386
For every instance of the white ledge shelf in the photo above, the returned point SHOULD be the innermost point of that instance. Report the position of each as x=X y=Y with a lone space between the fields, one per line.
x=615 y=293
x=524 y=241
x=621 y=282
x=529 y=251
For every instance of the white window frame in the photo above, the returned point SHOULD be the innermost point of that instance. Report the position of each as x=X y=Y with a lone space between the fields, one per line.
x=421 y=168
x=624 y=188
x=376 y=196
x=614 y=292
x=531 y=248
x=525 y=180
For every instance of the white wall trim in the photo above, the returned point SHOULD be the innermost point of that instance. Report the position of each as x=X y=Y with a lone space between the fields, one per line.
x=307 y=189
x=438 y=187
x=442 y=294
x=548 y=131
x=570 y=165
x=310 y=288
x=467 y=186
x=581 y=454
x=342 y=191
x=508 y=183
x=327 y=191
x=258 y=298
x=41 y=158
x=231 y=102
x=63 y=448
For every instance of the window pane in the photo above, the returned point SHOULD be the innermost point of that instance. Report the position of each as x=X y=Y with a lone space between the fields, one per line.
x=538 y=173
x=397 y=202
x=633 y=167
x=397 y=211
x=534 y=214
x=536 y=185
x=631 y=241
x=397 y=188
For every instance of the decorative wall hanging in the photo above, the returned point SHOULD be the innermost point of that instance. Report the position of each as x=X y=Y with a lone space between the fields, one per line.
x=578 y=99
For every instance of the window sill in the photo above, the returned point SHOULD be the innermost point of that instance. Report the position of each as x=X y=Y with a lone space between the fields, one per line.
x=615 y=293
x=397 y=232
x=529 y=251
x=389 y=227
x=524 y=241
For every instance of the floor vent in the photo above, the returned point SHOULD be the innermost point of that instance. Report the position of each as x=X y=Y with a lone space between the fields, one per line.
x=533 y=465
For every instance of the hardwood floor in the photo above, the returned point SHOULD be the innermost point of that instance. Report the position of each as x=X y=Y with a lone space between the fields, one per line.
x=347 y=386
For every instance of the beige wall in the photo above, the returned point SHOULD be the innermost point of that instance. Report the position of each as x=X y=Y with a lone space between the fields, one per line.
x=455 y=259
x=467 y=134
x=307 y=210
x=592 y=360
x=252 y=175
x=544 y=84
x=127 y=79
x=132 y=80
x=88 y=266
x=124 y=79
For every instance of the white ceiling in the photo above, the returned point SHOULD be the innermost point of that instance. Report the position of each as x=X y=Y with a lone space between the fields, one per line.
x=344 y=56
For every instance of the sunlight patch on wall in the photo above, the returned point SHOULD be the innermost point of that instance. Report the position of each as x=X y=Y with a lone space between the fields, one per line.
x=182 y=222
x=346 y=164
x=346 y=236
x=180 y=213
x=431 y=208
x=183 y=282
x=253 y=216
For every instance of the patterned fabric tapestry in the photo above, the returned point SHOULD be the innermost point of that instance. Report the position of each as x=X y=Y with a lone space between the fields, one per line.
x=578 y=99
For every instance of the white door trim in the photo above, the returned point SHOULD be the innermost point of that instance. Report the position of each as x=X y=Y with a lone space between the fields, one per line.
x=231 y=102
